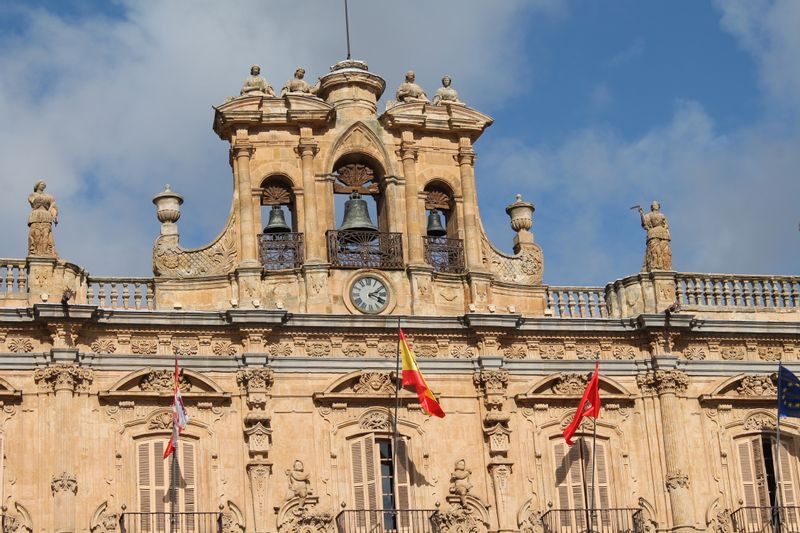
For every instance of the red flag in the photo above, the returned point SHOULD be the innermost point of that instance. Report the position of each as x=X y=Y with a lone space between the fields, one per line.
x=180 y=417
x=412 y=376
x=588 y=406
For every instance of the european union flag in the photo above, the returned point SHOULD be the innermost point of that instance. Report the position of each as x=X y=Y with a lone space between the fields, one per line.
x=788 y=393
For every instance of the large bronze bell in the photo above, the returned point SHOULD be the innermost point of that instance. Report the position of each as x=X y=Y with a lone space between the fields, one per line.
x=356 y=215
x=277 y=223
x=435 y=227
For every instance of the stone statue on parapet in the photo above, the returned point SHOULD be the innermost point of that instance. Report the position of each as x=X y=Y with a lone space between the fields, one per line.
x=409 y=91
x=446 y=94
x=299 y=482
x=40 y=222
x=459 y=481
x=658 y=254
x=256 y=85
x=298 y=85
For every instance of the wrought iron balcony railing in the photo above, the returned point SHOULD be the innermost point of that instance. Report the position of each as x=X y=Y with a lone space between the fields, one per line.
x=164 y=522
x=614 y=520
x=385 y=520
x=785 y=519
x=365 y=249
x=444 y=255
x=281 y=251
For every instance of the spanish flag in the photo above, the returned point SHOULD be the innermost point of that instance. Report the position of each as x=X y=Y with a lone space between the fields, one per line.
x=412 y=376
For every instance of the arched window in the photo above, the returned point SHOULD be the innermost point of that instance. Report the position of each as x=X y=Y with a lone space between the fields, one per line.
x=444 y=251
x=281 y=245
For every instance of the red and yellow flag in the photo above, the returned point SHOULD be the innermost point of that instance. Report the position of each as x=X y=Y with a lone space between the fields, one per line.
x=412 y=376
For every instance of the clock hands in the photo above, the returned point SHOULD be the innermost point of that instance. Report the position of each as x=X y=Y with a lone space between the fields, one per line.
x=376 y=296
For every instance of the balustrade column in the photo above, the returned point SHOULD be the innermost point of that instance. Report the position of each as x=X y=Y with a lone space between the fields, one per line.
x=247 y=238
x=472 y=239
x=408 y=154
x=307 y=150
x=668 y=384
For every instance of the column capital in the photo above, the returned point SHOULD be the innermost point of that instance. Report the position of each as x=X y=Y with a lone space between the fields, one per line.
x=306 y=148
x=408 y=150
x=62 y=376
x=64 y=483
x=243 y=150
x=663 y=382
x=676 y=480
x=466 y=156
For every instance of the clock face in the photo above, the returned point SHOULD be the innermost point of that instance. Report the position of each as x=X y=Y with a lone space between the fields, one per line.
x=369 y=294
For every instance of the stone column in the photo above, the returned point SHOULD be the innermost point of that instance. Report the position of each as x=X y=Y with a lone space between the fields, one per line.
x=63 y=379
x=472 y=239
x=247 y=237
x=307 y=150
x=668 y=384
x=408 y=154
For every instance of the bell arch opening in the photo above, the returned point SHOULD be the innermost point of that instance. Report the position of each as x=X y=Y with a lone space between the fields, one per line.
x=281 y=244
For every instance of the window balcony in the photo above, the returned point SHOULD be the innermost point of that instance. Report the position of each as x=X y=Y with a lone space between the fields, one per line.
x=365 y=249
x=163 y=522
x=444 y=255
x=784 y=519
x=385 y=521
x=612 y=520
x=281 y=251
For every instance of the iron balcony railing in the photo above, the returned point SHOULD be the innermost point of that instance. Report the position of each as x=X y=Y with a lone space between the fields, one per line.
x=614 y=520
x=444 y=255
x=784 y=519
x=385 y=521
x=164 y=522
x=281 y=251
x=365 y=249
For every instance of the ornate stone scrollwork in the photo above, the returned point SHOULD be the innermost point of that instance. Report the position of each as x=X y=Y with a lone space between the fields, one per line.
x=759 y=422
x=375 y=421
x=570 y=384
x=63 y=376
x=64 y=483
x=757 y=386
x=492 y=384
x=163 y=381
x=374 y=383
x=256 y=383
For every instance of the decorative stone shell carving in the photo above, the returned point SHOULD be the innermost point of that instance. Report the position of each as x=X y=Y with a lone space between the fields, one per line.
x=374 y=383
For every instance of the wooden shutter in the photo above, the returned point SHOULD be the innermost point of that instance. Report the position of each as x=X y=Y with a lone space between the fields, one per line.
x=402 y=481
x=144 y=454
x=363 y=465
x=154 y=476
x=749 y=489
x=602 y=499
x=788 y=473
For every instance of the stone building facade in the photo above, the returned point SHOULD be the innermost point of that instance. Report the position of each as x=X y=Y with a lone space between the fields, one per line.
x=288 y=339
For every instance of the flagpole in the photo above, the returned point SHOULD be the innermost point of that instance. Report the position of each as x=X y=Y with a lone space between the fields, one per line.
x=176 y=436
x=585 y=489
x=776 y=512
x=397 y=388
x=594 y=447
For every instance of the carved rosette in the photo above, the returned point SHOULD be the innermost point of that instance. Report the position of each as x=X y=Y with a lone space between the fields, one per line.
x=256 y=383
x=64 y=483
x=62 y=376
x=663 y=382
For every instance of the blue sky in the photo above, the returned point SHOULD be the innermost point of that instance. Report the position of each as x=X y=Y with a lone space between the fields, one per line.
x=598 y=106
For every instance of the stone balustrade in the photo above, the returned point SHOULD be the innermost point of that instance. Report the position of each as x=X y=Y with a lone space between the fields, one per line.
x=576 y=302
x=731 y=292
x=121 y=293
x=13 y=278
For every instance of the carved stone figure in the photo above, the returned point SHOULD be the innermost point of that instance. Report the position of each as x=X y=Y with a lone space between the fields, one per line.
x=299 y=482
x=256 y=85
x=446 y=94
x=41 y=221
x=658 y=255
x=298 y=85
x=410 y=91
x=459 y=481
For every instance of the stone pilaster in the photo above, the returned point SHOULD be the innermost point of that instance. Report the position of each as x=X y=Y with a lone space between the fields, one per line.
x=414 y=221
x=248 y=248
x=667 y=384
x=64 y=487
x=472 y=238
x=314 y=238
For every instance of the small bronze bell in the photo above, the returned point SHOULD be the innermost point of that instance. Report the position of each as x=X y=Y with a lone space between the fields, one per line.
x=435 y=227
x=356 y=215
x=277 y=223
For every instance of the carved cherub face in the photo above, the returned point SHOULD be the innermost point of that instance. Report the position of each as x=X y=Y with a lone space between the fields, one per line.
x=461 y=464
x=446 y=81
x=410 y=76
x=299 y=73
x=298 y=466
x=255 y=70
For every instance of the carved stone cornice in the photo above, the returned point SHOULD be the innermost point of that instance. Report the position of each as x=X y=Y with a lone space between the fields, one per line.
x=63 y=483
x=663 y=382
x=63 y=376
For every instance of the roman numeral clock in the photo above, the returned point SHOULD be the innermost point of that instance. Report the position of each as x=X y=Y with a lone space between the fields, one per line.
x=369 y=294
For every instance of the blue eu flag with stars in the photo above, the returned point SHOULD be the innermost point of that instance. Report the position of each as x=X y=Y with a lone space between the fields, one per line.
x=788 y=393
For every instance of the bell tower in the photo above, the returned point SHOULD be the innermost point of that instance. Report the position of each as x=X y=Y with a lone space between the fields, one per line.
x=339 y=208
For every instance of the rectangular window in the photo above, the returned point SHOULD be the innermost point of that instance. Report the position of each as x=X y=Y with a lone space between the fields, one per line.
x=574 y=483
x=157 y=475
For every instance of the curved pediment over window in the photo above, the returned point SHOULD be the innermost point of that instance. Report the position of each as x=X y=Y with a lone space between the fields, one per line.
x=9 y=394
x=748 y=388
x=568 y=387
x=156 y=383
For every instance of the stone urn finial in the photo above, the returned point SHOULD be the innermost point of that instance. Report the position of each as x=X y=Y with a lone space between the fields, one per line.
x=168 y=210
x=521 y=214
